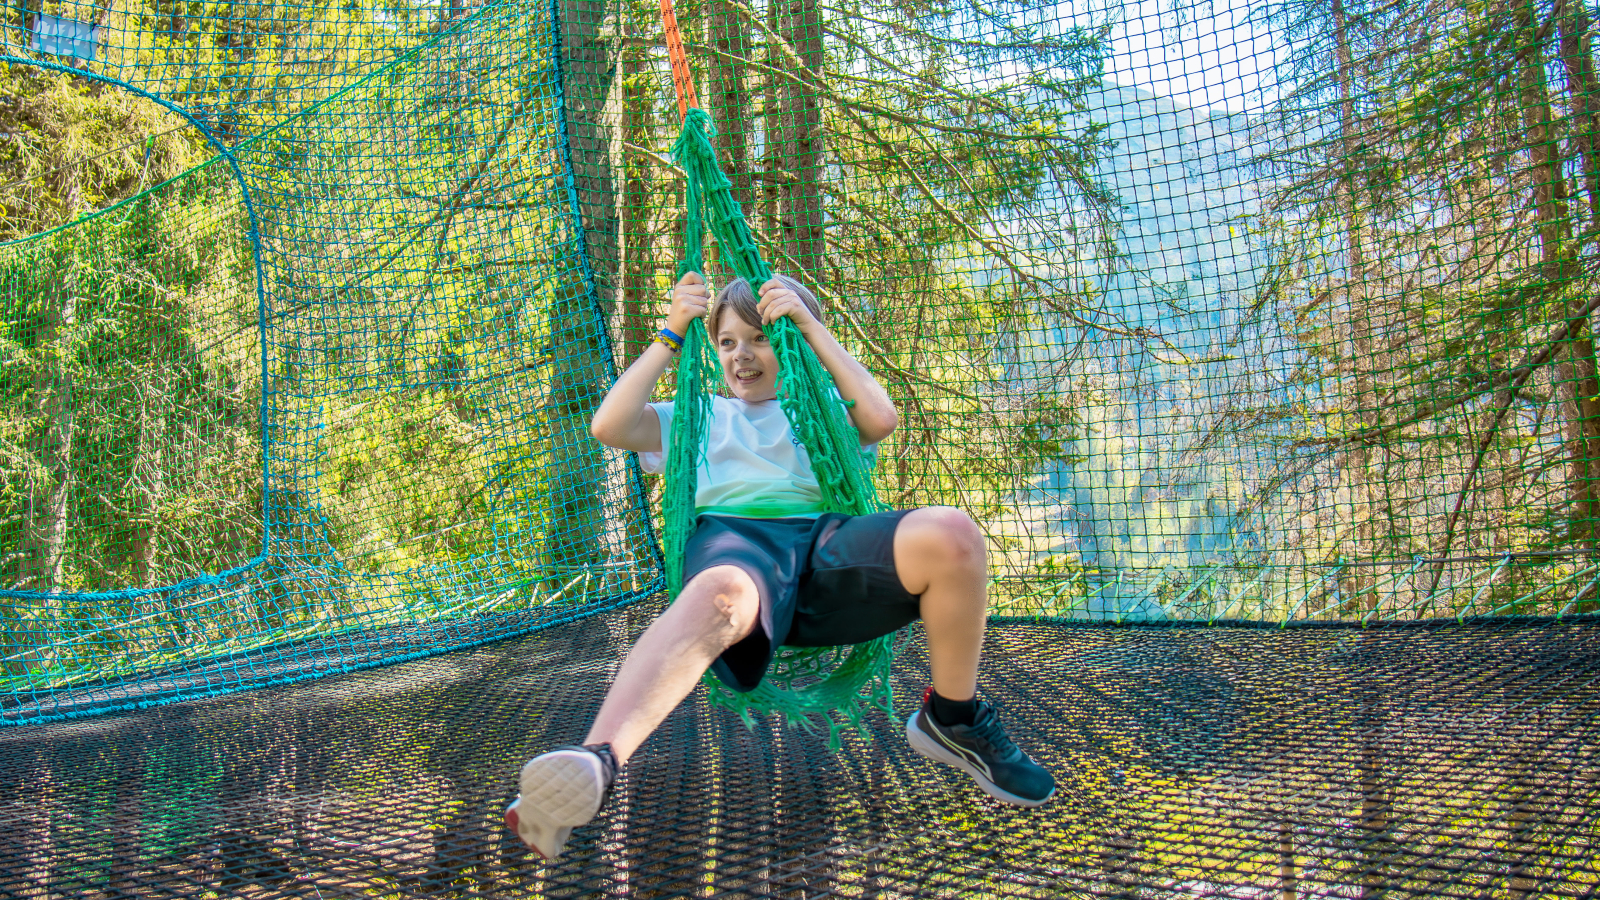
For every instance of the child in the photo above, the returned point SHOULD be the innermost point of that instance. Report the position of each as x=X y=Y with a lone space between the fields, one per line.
x=766 y=566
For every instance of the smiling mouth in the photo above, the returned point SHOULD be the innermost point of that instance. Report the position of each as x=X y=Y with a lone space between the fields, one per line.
x=747 y=374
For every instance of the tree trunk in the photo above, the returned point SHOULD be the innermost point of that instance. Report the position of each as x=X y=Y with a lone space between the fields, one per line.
x=729 y=100
x=777 y=134
x=149 y=484
x=576 y=473
x=638 y=300
x=800 y=24
x=1576 y=371
x=1357 y=463
x=1577 y=59
x=22 y=22
x=586 y=85
x=46 y=556
x=574 y=535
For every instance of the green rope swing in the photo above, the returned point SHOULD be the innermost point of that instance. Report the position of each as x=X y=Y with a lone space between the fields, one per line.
x=837 y=684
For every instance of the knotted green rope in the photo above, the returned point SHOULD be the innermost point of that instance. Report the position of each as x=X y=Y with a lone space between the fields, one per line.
x=838 y=684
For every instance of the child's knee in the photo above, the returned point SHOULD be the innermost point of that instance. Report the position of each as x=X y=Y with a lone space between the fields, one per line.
x=949 y=535
x=727 y=597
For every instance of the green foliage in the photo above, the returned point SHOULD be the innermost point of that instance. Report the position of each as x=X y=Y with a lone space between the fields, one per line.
x=1430 y=246
x=441 y=425
x=120 y=316
x=454 y=421
x=958 y=181
x=1393 y=388
x=75 y=145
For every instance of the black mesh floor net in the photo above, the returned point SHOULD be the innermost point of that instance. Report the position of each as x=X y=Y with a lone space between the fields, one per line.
x=1426 y=758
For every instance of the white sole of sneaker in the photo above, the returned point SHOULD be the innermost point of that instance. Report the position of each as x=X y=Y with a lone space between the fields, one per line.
x=547 y=841
x=561 y=790
x=927 y=745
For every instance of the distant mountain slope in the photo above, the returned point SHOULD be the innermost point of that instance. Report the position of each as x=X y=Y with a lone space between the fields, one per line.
x=1155 y=498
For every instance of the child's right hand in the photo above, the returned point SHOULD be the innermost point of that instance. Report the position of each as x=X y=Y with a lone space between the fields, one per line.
x=689 y=301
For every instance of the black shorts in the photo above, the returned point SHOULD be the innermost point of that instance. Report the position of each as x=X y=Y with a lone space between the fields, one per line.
x=824 y=581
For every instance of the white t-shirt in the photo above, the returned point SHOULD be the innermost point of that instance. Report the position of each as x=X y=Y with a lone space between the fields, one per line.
x=754 y=465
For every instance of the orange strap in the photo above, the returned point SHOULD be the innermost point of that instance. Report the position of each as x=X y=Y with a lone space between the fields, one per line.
x=681 y=79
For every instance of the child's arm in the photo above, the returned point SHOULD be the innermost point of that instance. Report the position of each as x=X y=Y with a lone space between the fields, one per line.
x=624 y=420
x=874 y=414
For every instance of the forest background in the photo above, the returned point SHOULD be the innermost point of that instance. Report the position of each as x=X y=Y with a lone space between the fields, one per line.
x=1380 y=398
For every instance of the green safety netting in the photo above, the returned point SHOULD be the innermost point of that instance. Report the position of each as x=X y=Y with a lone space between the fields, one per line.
x=321 y=401
x=1261 y=313
x=1203 y=314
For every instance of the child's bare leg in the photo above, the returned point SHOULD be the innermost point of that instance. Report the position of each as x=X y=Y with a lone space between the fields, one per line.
x=940 y=554
x=716 y=609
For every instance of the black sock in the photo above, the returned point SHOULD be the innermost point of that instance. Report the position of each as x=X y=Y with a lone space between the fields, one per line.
x=954 y=712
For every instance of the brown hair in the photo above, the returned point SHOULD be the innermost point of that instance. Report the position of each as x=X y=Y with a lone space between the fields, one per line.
x=738 y=296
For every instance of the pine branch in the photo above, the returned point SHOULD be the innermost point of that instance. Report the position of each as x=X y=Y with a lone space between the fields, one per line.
x=1042 y=289
x=821 y=88
x=1510 y=380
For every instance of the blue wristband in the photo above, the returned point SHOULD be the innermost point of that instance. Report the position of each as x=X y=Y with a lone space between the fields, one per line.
x=667 y=333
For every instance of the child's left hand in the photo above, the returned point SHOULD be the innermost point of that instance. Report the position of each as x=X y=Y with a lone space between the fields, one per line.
x=778 y=301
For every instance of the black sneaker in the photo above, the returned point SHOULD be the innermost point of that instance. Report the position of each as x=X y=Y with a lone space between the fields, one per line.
x=983 y=751
x=561 y=790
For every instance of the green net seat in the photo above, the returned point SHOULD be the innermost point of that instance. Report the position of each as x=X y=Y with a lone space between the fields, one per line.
x=834 y=684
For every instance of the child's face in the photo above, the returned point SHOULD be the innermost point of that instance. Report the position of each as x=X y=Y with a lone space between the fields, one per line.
x=748 y=363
